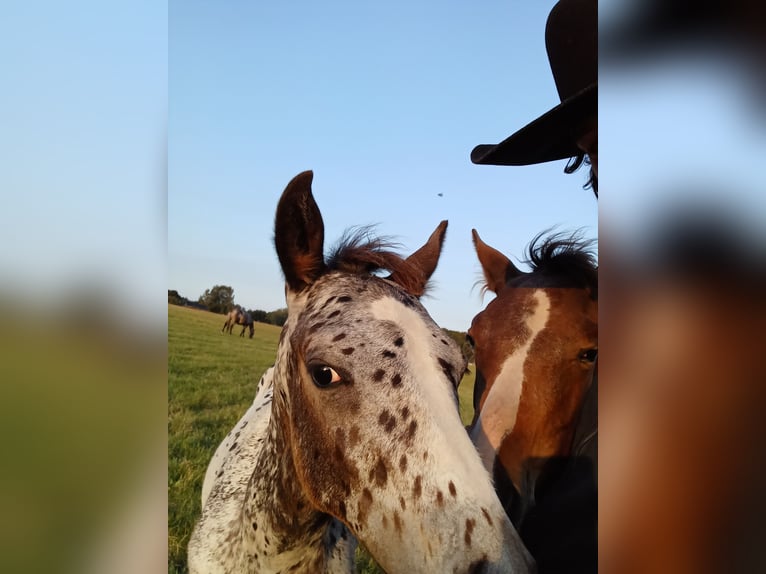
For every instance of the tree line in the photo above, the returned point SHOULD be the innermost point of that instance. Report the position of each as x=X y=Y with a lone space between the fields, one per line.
x=220 y=299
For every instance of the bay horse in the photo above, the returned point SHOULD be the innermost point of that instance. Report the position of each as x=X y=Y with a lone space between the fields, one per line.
x=535 y=346
x=239 y=317
x=354 y=434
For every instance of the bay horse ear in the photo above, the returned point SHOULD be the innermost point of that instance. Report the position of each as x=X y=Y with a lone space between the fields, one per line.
x=497 y=268
x=299 y=233
x=423 y=262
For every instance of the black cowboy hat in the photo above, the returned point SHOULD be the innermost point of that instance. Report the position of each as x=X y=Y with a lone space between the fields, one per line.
x=571 y=43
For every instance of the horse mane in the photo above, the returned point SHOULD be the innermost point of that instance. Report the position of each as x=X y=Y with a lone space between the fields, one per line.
x=360 y=252
x=568 y=255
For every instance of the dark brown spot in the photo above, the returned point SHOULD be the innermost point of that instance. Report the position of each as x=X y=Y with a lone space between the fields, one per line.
x=425 y=455
x=378 y=375
x=439 y=498
x=353 y=436
x=389 y=354
x=233 y=446
x=383 y=417
x=448 y=370
x=486 y=515
x=390 y=424
x=339 y=336
x=417 y=490
x=333 y=314
x=315 y=327
x=255 y=526
x=347 y=350
x=452 y=489
x=397 y=522
x=479 y=567
x=396 y=380
x=405 y=412
x=365 y=501
x=399 y=342
x=402 y=503
x=379 y=473
x=467 y=538
x=344 y=299
x=403 y=463
x=411 y=429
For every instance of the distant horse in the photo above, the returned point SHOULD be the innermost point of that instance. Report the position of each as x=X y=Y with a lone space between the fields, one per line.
x=238 y=317
x=535 y=347
x=355 y=433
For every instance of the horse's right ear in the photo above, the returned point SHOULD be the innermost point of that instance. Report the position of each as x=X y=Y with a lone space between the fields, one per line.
x=299 y=233
x=497 y=268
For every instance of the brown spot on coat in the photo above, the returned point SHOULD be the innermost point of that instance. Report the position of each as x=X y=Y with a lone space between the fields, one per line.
x=378 y=375
x=363 y=507
x=397 y=522
x=402 y=503
x=452 y=489
x=339 y=336
x=417 y=490
x=389 y=354
x=439 y=498
x=379 y=473
x=399 y=342
x=486 y=515
x=396 y=380
x=403 y=463
x=347 y=350
x=405 y=412
x=353 y=436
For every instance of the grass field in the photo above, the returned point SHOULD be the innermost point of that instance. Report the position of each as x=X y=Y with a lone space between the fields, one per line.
x=211 y=382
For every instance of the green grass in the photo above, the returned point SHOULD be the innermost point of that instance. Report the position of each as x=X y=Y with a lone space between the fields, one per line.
x=211 y=382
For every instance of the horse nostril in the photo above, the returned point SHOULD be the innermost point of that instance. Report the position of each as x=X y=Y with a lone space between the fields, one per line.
x=479 y=567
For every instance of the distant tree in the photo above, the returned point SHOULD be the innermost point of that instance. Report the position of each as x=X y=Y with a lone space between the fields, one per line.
x=259 y=315
x=219 y=299
x=277 y=317
x=175 y=298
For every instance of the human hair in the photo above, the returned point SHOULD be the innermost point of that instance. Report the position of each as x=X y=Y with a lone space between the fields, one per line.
x=574 y=164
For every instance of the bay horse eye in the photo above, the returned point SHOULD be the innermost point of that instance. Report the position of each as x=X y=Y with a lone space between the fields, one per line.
x=324 y=376
x=589 y=355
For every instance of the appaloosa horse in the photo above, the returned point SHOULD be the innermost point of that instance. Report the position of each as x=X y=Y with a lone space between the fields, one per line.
x=354 y=434
x=536 y=346
x=239 y=317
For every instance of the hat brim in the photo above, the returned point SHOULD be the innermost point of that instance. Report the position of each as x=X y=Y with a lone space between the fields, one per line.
x=547 y=138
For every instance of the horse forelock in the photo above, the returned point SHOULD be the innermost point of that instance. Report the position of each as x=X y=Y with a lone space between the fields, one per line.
x=565 y=257
x=359 y=252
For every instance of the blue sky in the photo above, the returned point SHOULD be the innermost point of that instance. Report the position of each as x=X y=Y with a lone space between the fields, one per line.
x=384 y=102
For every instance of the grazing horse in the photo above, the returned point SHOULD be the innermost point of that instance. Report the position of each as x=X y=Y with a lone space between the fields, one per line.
x=354 y=434
x=535 y=346
x=239 y=317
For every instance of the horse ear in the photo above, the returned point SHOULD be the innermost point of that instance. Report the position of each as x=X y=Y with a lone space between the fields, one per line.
x=299 y=233
x=497 y=268
x=424 y=261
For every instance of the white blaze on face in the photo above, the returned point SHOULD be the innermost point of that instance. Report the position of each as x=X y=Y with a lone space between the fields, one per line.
x=498 y=415
x=431 y=384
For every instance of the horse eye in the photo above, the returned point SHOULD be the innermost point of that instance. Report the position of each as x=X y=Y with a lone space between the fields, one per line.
x=589 y=355
x=324 y=376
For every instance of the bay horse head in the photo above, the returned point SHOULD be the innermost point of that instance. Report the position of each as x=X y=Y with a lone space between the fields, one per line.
x=535 y=346
x=356 y=434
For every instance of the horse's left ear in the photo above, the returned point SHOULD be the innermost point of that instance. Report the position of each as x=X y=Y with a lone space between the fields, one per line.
x=424 y=261
x=299 y=233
